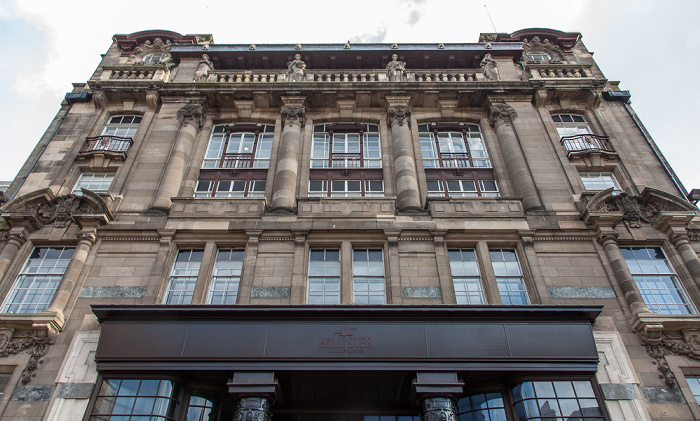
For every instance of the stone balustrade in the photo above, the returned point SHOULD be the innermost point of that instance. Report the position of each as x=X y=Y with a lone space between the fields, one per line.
x=376 y=75
x=141 y=72
x=558 y=71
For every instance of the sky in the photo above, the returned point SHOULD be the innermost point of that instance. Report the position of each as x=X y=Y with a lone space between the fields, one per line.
x=648 y=45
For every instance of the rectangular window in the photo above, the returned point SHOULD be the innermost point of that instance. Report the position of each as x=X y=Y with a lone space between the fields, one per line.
x=183 y=277
x=226 y=277
x=368 y=276
x=656 y=280
x=599 y=181
x=462 y=188
x=37 y=282
x=97 y=182
x=133 y=399
x=694 y=383
x=122 y=126
x=556 y=400
x=571 y=125
x=456 y=145
x=482 y=407
x=466 y=276
x=509 y=277
x=324 y=276
x=240 y=146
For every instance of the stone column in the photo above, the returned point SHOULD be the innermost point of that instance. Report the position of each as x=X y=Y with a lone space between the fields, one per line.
x=690 y=258
x=14 y=242
x=191 y=116
x=284 y=191
x=501 y=117
x=436 y=394
x=70 y=277
x=256 y=392
x=407 y=192
x=438 y=409
x=622 y=273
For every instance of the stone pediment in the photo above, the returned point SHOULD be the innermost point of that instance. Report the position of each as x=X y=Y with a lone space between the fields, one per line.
x=42 y=207
x=606 y=209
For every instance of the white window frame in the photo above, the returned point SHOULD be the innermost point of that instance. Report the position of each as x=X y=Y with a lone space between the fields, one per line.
x=226 y=277
x=466 y=276
x=97 y=182
x=509 y=276
x=324 y=278
x=122 y=126
x=368 y=282
x=38 y=280
x=183 y=277
x=657 y=293
x=596 y=181
x=240 y=142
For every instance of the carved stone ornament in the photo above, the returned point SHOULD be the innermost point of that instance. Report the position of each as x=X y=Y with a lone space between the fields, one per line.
x=633 y=208
x=545 y=46
x=191 y=114
x=438 y=409
x=12 y=343
x=398 y=114
x=502 y=114
x=157 y=47
x=253 y=409
x=684 y=343
x=43 y=208
x=293 y=114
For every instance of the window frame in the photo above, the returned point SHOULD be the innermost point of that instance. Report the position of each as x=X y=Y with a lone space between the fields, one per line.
x=443 y=169
x=363 y=167
x=673 y=275
x=77 y=189
x=249 y=168
x=112 y=127
x=24 y=273
x=617 y=188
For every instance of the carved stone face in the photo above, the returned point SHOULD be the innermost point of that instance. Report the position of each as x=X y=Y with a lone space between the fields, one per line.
x=394 y=57
x=297 y=56
x=205 y=57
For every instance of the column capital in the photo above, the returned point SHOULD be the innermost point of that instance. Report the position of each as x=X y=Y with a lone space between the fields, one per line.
x=501 y=113
x=680 y=239
x=87 y=238
x=398 y=114
x=293 y=114
x=607 y=237
x=191 y=114
x=16 y=238
x=437 y=385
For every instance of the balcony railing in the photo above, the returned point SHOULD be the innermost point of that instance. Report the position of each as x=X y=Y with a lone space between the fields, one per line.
x=237 y=160
x=558 y=71
x=587 y=143
x=113 y=144
x=347 y=160
x=450 y=160
x=154 y=72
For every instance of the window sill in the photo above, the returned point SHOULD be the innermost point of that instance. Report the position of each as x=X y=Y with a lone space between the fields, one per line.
x=47 y=322
x=649 y=322
x=217 y=207
x=333 y=207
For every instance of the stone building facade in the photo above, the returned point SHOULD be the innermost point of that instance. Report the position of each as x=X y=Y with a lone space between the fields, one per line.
x=348 y=232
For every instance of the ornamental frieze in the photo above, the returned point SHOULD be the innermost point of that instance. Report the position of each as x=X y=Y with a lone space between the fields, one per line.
x=12 y=343
x=684 y=343
x=536 y=45
x=633 y=209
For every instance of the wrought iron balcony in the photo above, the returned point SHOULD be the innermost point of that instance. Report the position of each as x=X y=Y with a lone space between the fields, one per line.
x=347 y=160
x=584 y=143
x=237 y=160
x=107 y=144
x=452 y=160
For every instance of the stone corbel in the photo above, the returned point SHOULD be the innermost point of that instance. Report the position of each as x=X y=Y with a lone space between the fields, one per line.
x=672 y=223
x=346 y=108
x=192 y=114
x=539 y=98
x=398 y=109
x=245 y=108
x=594 y=98
x=501 y=113
x=447 y=108
x=257 y=384
x=152 y=99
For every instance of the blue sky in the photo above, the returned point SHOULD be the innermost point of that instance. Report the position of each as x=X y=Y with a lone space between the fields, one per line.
x=649 y=46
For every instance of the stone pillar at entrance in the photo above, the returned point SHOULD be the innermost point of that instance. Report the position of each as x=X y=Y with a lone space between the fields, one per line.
x=255 y=393
x=436 y=393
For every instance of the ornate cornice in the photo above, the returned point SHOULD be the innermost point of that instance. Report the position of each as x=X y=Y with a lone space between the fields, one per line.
x=607 y=209
x=554 y=51
x=293 y=114
x=398 y=114
x=501 y=114
x=566 y=239
x=191 y=114
x=130 y=238
x=42 y=207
